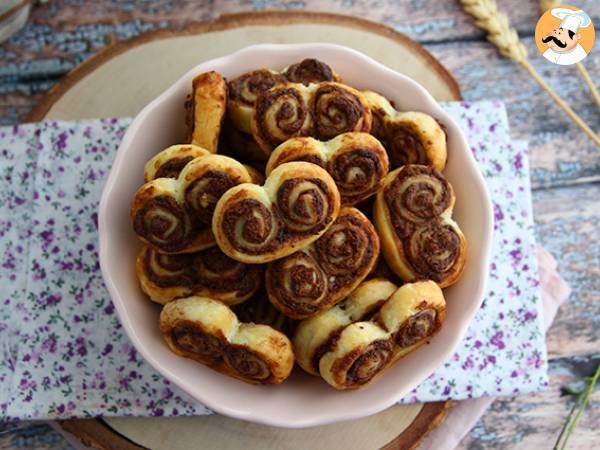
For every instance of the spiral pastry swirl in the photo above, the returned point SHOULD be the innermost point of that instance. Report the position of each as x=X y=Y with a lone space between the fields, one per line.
x=206 y=107
x=280 y=114
x=310 y=70
x=357 y=162
x=351 y=343
x=243 y=92
x=258 y=224
x=208 y=332
x=175 y=215
x=413 y=216
x=170 y=162
x=409 y=137
x=164 y=277
x=160 y=220
x=338 y=109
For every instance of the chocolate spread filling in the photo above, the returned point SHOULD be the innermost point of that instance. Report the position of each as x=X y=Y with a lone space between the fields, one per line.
x=312 y=208
x=309 y=70
x=404 y=145
x=202 y=195
x=154 y=227
x=289 y=118
x=370 y=362
x=189 y=338
x=418 y=198
x=363 y=184
x=432 y=250
x=417 y=328
x=173 y=167
x=336 y=111
x=246 y=363
x=257 y=82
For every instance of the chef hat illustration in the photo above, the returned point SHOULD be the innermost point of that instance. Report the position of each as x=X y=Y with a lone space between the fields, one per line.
x=572 y=20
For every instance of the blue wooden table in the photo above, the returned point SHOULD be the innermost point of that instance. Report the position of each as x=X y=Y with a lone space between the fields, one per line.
x=565 y=164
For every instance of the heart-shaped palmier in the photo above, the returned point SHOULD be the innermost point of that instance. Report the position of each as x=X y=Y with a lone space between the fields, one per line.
x=208 y=332
x=321 y=274
x=409 y=137
x=413 y=215
x=351 y=343
x=257 y=224
x=175 y=215
x=210 y=273
x=357 y=162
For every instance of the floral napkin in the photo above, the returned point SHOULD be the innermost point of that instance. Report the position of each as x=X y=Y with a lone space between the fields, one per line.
x=64 y=352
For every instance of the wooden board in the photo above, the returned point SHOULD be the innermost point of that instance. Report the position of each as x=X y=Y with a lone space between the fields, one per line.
x=133 y=72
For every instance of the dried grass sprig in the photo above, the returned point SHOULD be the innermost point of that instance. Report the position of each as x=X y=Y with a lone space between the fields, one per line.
x=545 y=5
x=499 y=32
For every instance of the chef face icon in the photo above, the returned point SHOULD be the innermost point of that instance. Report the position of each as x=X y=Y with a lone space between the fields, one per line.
x=564 y=35
x=561 y=40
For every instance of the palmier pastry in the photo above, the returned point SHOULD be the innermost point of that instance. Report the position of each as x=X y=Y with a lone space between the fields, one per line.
x=376 y=325
x=413 y=215
x=315 y=336
x=170 y=162
x=362 y=350
x=175 y=215
x=356 y=161
x=321 y=110
x=207 y=331
x=206 y=108
x=320 y=275
x=257 y=224
x=209 y=273
x=244 y=89
x=310 y=70
x=409 y=137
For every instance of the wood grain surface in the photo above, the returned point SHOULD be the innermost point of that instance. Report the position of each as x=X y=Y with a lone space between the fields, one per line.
x=565 y=165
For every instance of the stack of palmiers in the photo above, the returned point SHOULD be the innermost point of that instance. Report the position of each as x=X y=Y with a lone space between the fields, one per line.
x=264 y=235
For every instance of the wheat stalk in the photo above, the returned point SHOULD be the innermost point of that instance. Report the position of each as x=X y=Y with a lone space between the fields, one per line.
x=546 y=5
x=505 y=38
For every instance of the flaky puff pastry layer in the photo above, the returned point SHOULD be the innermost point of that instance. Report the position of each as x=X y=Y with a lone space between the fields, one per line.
x=413 y=216
x=208 y=332
x=257 y=224
x=314 y=335
x=356 y=161
x=409 y=137
x=175 y=215
x=351 y=353
x=211 y=273
x=206 y=108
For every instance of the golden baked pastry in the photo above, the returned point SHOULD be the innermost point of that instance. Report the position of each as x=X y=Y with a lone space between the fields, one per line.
x=206 y=108
x=175 y=215
x=244 y=89
x=208 y=273
x=257 y=224
x=353 y=342
x=258 y=309
x=314 y=336
x=321 y=274
x=413 y=215
x=321 y=110
x=409 y=137
x=356 y=161
x=208 y=332
x=170 y=162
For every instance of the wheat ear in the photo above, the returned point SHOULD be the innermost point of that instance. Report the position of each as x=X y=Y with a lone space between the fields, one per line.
x=505 y=38
x=545 y=5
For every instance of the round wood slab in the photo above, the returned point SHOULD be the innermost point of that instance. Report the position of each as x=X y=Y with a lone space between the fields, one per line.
x=119 y=81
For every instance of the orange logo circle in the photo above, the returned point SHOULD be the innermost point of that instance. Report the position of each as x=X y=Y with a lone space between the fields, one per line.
x=565 y=35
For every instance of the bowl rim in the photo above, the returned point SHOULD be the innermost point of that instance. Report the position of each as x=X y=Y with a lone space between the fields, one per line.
x=256 y=416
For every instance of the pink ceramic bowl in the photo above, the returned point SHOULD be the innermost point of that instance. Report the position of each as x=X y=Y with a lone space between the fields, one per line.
x=302 y=400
